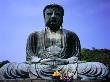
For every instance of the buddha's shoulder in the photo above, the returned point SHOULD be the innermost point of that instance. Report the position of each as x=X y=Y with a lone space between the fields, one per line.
x=69 y=32
x=36 y=33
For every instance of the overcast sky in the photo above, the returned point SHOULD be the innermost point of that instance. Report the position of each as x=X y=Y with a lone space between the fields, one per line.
x=89 y=19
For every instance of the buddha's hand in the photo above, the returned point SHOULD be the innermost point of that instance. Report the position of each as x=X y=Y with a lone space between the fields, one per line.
x=46 y=61
x=57 y=61
x=62 y=61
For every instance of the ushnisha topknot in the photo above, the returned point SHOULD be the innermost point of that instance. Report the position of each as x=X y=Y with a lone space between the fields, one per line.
x=53 y=5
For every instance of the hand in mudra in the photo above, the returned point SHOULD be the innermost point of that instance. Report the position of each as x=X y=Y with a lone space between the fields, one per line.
x=57 y=61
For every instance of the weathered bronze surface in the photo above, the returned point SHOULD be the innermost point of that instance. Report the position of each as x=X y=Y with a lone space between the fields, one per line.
x=54 y=49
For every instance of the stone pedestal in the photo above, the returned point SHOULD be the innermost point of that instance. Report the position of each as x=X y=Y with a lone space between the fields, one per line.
x=32 y=80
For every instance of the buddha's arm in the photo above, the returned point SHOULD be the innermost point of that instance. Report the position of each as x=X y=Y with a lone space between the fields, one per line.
x=31 y=47
x=76 y=48
x=73 y=48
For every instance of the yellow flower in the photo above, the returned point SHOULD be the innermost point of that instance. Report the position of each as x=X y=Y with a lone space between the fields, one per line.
x=56 y=73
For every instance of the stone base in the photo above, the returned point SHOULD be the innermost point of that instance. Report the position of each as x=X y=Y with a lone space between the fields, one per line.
x=30 y=80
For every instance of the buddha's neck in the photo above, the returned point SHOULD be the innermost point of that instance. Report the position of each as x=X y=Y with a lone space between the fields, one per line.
x=52 y=34
x=53 y=30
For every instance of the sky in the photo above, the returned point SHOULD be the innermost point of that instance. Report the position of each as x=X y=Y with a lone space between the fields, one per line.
x=89 y=19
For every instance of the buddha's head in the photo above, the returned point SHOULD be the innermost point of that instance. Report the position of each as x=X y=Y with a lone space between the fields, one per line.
x=53 y=16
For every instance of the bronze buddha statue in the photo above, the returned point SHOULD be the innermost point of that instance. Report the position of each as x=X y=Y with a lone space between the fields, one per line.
x=54 y=49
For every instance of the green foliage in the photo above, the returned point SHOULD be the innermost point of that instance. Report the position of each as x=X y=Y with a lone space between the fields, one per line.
x=96 y=55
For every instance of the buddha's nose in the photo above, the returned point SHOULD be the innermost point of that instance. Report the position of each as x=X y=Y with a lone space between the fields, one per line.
x=53 y=15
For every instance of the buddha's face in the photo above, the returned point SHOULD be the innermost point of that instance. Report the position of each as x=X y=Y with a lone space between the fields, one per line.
x=53 y=18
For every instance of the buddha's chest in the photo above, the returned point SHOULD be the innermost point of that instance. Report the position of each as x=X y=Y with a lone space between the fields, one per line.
x=53 y=39
x=53 y=45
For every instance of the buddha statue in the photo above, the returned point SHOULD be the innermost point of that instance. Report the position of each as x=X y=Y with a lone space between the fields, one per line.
x=54 y=49
x=53 y=44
